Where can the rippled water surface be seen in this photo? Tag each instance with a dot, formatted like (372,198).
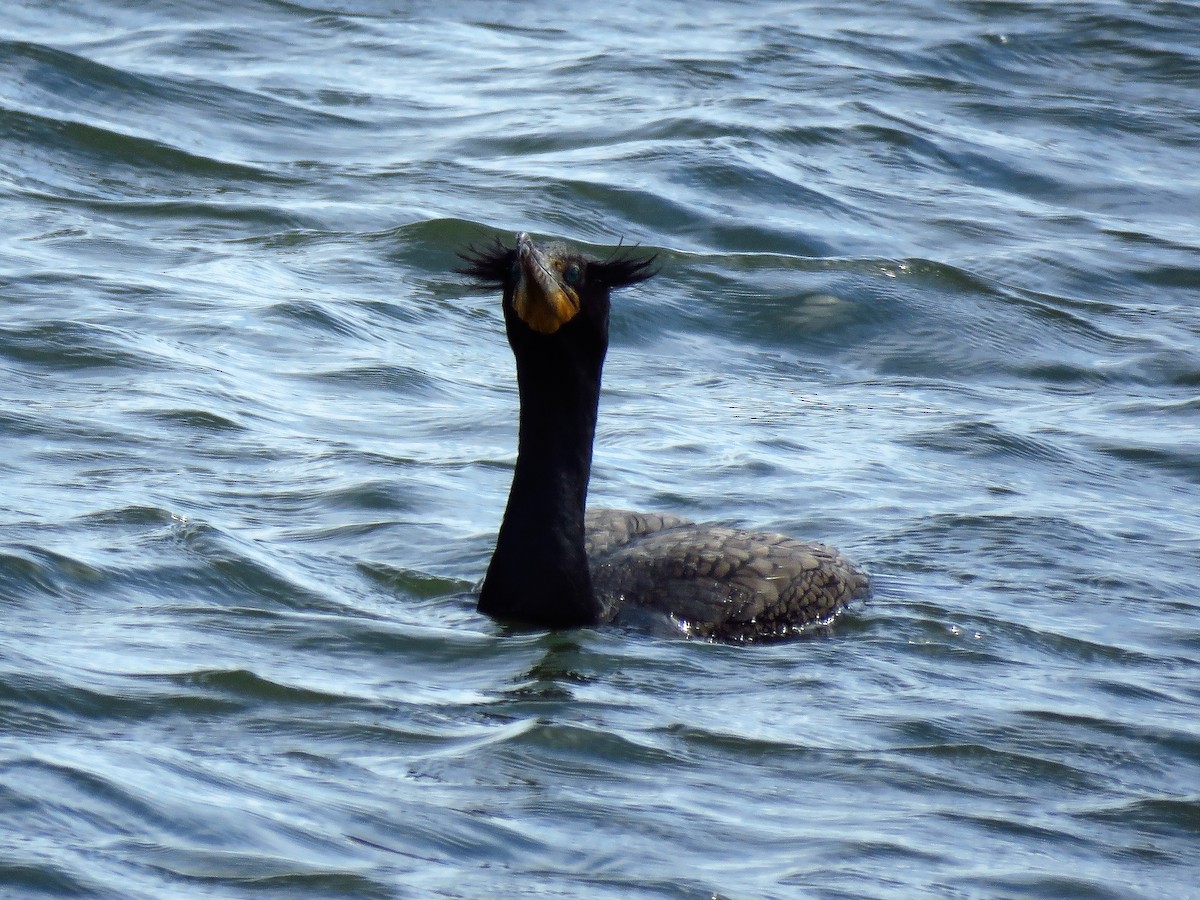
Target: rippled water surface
(930,291)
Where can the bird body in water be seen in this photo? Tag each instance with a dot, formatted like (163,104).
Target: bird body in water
(558,564)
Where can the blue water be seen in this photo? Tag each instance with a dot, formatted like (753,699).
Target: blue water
(930,292)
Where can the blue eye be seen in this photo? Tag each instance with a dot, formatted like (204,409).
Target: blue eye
(572,275)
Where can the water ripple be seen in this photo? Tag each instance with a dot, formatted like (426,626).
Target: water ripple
(928,291)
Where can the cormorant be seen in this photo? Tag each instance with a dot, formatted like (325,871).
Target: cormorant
(557,565)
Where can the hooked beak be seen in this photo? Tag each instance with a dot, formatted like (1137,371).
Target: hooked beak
(540,298)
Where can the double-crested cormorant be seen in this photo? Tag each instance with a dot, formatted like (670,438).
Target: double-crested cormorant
(556,565)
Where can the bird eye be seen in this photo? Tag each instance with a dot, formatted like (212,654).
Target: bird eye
(572,275)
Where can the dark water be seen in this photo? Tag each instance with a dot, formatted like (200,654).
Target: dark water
(930,291)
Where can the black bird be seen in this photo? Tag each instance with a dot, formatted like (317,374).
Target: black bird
(557,564)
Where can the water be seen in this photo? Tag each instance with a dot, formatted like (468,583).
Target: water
(930,292)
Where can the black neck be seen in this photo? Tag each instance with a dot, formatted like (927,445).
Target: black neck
(539,572)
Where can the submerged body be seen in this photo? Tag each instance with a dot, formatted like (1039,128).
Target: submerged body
(557,566)
(716,582)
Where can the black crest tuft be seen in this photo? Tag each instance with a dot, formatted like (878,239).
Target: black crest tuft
(491,265)
(622,270)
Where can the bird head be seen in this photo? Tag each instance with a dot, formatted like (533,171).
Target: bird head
(547,286)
